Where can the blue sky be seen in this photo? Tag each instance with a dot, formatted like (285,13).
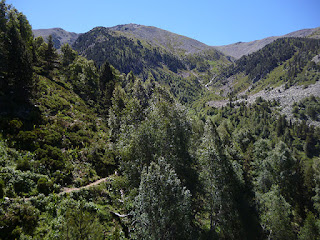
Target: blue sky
(211,22)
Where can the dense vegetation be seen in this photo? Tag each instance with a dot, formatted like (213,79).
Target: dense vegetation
(285,61)
(307,108)
(238,172)
(143,58)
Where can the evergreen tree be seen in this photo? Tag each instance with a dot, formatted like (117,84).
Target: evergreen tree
(279,167)
(107,83)
(81,225)
(316,177)
(84,77)
(310,230)
(275,215)
(116,113)
(19,81)
(68,55)
(3,47)
(150,84)
(130,79)
(164,131)
(220,185)
(162,208)
(309,146)
(50,56)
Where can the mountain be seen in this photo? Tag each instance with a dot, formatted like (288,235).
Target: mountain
(173,60)
(144,38)
(162,38)
(59,36)
(239,49)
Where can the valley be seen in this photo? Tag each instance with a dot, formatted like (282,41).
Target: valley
(135,132)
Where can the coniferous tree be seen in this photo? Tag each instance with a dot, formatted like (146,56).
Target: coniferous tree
(310,230)
(163,131)
(162,208)
(68,55)
(275,215)
(115,119)
(107,82)
(316,198)
(19,68)
(220,185)
(81,224)
(50,56)
(3,47)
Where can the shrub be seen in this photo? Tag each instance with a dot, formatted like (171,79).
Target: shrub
(44,186)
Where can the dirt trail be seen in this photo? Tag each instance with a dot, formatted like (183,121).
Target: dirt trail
(69,190)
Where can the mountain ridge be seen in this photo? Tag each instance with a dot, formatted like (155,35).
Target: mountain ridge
(176,43)
(239,49)
(162,38)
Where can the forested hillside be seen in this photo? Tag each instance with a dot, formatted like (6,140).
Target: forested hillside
(289,61)
(166,171)
(181,73)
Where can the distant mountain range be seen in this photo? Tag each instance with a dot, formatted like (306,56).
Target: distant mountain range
(187,66)
(175,43)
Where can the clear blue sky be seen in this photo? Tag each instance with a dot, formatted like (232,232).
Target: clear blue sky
(209,21)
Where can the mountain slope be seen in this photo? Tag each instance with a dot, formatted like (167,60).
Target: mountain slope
(290,61)
(162,38)
(59,36)
(239,49)
(180,66)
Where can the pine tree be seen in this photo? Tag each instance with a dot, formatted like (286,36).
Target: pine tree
(107,83)
(3,48)
(81,224)
(116,112)
(162,208)
(19,68)
(275,215)
(220,185)
(310,230)
(50,56)
(68,55)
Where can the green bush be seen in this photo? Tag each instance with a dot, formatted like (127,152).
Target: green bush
(44,186)
(14,126)
(51,157)
(24,163)
(27,140)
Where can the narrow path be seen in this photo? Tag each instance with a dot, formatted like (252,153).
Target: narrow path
(68,190)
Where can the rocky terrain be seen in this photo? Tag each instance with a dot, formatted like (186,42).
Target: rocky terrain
(285,97)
